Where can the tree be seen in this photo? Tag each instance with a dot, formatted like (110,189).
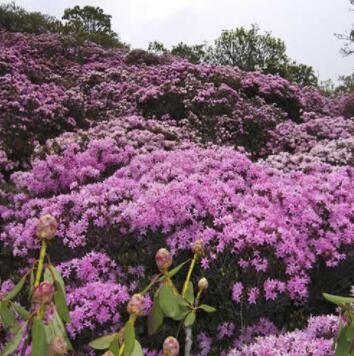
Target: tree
(348,37)
(249,50)
(300,73)
(14,18)
(90,23)
(194,54)
(157,47)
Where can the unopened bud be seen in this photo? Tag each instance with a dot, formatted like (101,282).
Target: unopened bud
(163,259)
(170,347)
(136,305)
(47,227)
(44,293)
(203,283)
(57,347)
(198,247)
(108,353)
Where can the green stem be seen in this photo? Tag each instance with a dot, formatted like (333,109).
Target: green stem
(191,267)
(40,263)
(153,281)
(198,296)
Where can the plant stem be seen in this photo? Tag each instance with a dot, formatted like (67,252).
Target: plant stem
(188,344)
(40,263)
(198,297)
(191,267)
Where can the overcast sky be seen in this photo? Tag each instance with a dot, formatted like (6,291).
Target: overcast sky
(306,26)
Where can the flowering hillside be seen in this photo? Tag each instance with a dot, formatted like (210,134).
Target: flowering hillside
(133,151)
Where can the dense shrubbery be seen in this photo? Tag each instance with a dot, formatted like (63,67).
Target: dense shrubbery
(132,152)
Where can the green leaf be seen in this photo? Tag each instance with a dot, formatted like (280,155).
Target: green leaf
(155,317)
(173,271)
(60,302)
(17,289)
(21,311)
(6,315)
(207,308)
(190,319)
(336,299)
(343,346)
(103,342)
(114,347)
(182,314)
(190,293)
(57,276)
(12,345)
(169,302)
(31,284)
(59,328)
(138,351)
(350,332)
(39,338)
(129,338)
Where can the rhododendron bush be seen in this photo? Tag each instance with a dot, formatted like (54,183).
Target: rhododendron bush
(131,156)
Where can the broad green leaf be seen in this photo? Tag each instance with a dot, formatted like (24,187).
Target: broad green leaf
(155,317)
(350,332)
(59,328)
(169,301)
(103,342)
(21,311)
(129,338)
(39,338)
(114,347)
(17,289)
(190,319)
(190,293)
(138,351)
(7,315)
(336,299)
(12,345)
(60,302)
(182,314)
(343,346)
(207,308)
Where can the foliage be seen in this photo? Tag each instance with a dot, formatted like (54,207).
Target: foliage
(13,18)
(90,23)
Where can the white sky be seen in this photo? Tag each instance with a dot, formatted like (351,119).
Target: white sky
(306,26)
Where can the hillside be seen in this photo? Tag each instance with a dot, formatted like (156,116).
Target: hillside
(131,152)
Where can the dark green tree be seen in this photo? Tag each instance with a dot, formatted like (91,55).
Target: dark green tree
(14,18)
(157,47)
(90,23)
(194,54)
(300,73)
(249,50)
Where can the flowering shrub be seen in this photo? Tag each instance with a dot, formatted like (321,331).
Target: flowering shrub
(131,156)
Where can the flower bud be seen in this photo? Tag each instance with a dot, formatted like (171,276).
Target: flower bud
(203,283)
(108,353)
(170,347)
(198,247)
(57,347)
(47,227)
(44,293)
(163,259)
(136,305)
